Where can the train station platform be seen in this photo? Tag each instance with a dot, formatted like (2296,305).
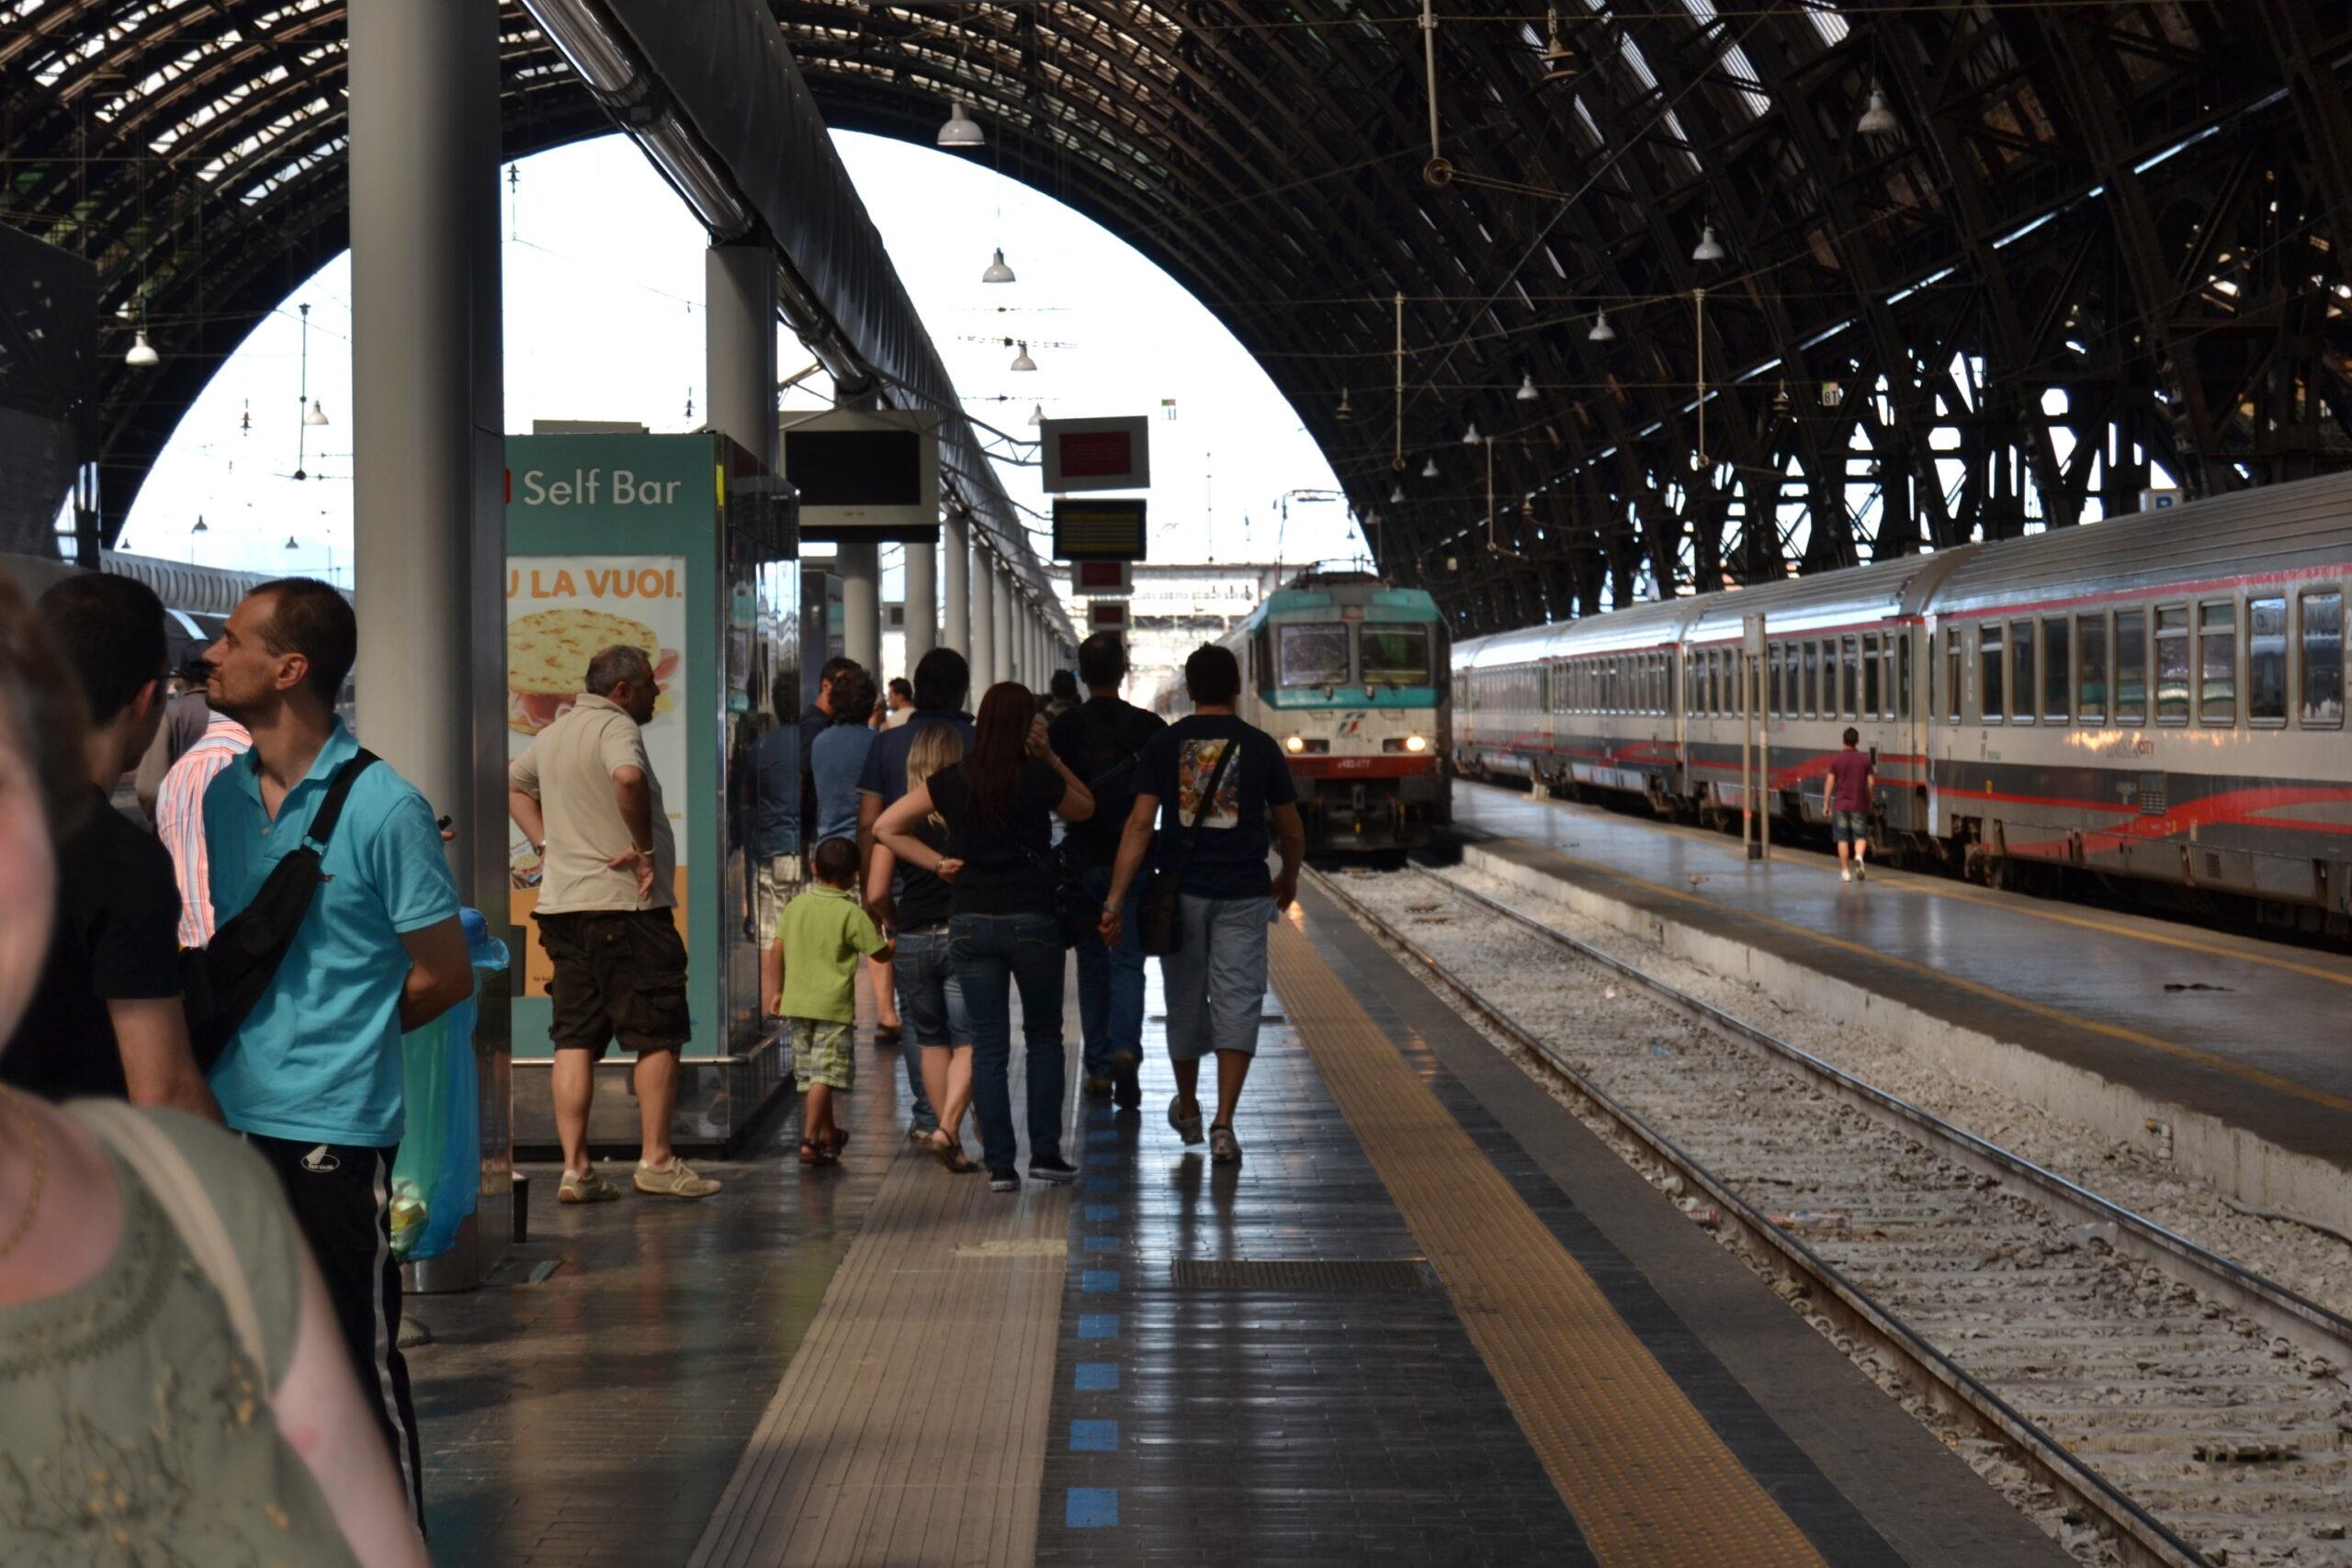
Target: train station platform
(1430,1317)
(2218,1053)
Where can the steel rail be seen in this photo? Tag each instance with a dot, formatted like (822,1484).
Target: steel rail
(2140,1535)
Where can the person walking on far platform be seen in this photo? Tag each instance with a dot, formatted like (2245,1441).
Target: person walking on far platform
(823,934)
(1208,788)
(1846,801)
(1102,741)
(586,795)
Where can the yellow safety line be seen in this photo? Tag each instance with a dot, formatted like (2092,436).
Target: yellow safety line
(1934,888)
(2057,1015)
(1647,1479)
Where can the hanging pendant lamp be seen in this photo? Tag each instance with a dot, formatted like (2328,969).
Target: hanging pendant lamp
(961,130)
(1878,119)
(996,271)
(1396,496)
(1036,413)
(1601,331)
(141,354)
(1022,361)
(1346,411)
(1470,434)
(314,414)
(1527,393)
(1707,250)
(1429,470)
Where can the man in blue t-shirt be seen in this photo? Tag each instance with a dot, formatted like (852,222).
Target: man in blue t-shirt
(1210,788)
(313,1077)
(942,682)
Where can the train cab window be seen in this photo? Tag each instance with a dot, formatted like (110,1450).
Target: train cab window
(2057,668)
(2217,663)
(2172,664)
(1392,654)
(2021,651)
(1850,683)
(1312,654)
(2322,705)
(1989,707)
(2131,666)
(1955,662)
(1874,677)
(2266,661)
(2090,669)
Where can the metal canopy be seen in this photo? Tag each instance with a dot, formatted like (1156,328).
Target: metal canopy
(2101,235)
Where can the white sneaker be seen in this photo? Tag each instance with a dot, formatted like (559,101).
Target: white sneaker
(585,1187)
(676,1180)
(1844,875)
(1859,875)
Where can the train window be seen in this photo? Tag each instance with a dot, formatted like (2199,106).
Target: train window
(1812,679)
(2090,668)
(1903,675)
(2131,666)
(2266,660)
(1954,662)
(2322,705)
(1393,654)
(1874,677)
(2217,663)
(1312,654)
(2057,668)
(2172,664)
(1772,657)
(1988,672)
(2021,651)
(1850,684)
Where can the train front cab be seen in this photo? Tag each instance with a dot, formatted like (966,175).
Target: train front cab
(1351,694)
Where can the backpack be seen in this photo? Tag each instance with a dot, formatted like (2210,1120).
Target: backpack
(221,984)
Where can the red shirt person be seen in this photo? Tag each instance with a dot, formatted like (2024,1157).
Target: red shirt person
(1846,801)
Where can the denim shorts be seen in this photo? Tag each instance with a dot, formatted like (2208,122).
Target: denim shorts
(1849,827)
(929,999)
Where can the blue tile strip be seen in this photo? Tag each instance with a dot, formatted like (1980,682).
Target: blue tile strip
(1097,1213)
(1094,1437)
(1102,1184)
(1098,1326)
(1101,1244)
(1097,1377)
(1091,1508)
(1094,1281)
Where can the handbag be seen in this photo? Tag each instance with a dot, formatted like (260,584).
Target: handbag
(1160,907)
(1076,911)
(220,984)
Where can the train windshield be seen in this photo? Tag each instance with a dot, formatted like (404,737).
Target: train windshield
(1312,655)
(1395,654)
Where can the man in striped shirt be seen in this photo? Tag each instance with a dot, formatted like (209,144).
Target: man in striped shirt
(179,819)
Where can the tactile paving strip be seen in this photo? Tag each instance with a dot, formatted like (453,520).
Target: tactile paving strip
(1301,1274)
(1648,1481)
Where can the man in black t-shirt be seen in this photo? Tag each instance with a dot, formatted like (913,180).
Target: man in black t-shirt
(1216,978)
(1102,741)
(107,1020)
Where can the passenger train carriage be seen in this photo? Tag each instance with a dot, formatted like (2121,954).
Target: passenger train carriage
(2159,698)
(1348,675)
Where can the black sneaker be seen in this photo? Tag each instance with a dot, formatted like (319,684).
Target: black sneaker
(1058,1171)
(1126,1081)
(1003,1179)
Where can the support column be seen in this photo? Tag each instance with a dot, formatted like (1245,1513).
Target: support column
(859,561)
(1008,653)
(428,440)
(955,582)
(922,604)
(738,347)
(982,651)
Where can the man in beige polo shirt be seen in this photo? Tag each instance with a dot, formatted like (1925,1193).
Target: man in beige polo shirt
(584,795)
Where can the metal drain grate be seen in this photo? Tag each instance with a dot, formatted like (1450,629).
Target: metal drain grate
(1302,1274)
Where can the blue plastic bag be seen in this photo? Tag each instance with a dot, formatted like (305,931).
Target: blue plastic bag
(437,1179)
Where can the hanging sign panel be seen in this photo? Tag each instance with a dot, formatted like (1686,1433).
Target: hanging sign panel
(1096,454)
(865,474)
(1097,530)
(1100,579)
(1106,616)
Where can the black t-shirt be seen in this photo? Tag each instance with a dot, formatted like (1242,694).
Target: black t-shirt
(1001,852)
(1229,859)
(922,899)
(117,940)
(1101,741)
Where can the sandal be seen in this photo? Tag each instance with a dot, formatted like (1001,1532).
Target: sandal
(951,1156)
(838,1142)
(813,1152)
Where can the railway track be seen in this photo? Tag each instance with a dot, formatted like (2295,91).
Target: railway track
(2184,1409)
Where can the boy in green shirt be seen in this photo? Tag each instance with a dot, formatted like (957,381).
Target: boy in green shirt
(817,941)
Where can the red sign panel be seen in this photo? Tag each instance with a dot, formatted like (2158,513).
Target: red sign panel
(1097,453)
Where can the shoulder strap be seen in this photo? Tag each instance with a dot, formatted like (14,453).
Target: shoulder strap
(1200,813)
(338,791)
(179,1192)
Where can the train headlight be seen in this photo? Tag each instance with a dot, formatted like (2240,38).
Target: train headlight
(1295,745)
(1415,743)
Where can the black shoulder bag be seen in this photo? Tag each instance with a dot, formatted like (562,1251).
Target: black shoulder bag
(221,984)
(1160,907)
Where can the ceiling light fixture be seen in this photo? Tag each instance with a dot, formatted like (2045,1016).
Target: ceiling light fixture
(1560,62)
(1346,411)
(1878,119)
(141,354)
(1022,361)
(1470,434)
(996,271)
(316,415)
(1429,470)
(1396,496)
(1037,413)
(961,130)
(1601,331)
(1707,250)
(1527,393)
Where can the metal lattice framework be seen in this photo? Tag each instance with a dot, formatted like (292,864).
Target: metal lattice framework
(2098,245)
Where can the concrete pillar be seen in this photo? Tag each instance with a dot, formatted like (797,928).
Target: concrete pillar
(1008,652)
(859,561)
(738,347)
(922,604)
(956,581)
(428,442)
(982,651)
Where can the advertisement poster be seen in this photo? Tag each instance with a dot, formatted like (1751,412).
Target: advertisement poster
(561,612)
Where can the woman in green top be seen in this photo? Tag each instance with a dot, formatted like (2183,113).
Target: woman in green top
(137,1435)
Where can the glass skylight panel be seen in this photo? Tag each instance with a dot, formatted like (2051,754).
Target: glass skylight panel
(1826,21)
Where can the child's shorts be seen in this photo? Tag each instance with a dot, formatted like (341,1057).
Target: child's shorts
(822,1054)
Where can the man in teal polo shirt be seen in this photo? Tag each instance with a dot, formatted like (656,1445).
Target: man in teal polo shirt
(313,1077)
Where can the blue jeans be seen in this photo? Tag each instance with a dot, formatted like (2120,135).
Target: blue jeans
(931,1003)
(995,954)
(1110,983)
